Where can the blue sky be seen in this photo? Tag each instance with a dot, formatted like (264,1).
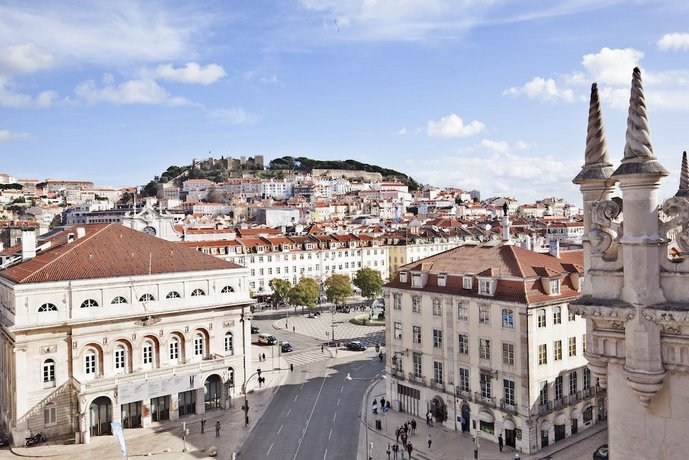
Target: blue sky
(477,94)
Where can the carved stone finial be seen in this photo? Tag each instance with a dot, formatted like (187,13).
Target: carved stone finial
(638,151)
(684,178)
(596,162)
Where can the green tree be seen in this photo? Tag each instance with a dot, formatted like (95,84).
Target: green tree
(369,281)
(151,189)
(305,293)
(338,288)
(280,289)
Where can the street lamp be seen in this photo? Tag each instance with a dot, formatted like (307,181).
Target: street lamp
(374,380)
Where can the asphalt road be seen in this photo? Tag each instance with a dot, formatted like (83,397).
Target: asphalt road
(315,414)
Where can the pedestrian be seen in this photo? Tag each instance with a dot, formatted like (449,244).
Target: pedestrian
(397,434)
(321,348)
(264,357)
(217,429)
(404,439)
(409,449)
(380,356)
(395,450)
(413,426)
(291,367)
(293,329)
(375,406)
(203,425)
(388,451)
(429,440)
(429,418)
(500,443)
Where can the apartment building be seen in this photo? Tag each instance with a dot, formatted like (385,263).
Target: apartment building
(102,323)
(482,337)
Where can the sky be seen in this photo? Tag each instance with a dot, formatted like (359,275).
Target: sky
(488,95)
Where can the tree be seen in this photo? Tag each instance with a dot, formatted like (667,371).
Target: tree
(369,281)
(305,293)
(151,189)
(338,288)
(280,289)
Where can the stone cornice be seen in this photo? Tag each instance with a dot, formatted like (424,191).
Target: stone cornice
(614,310)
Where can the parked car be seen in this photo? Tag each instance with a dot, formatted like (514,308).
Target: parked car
(255,329)
(601,453)
(356,345)
(4,439)
(286,347)
(267,339)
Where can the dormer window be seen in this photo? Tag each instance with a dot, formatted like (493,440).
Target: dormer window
(485,287)
(442,279)
(416,280)
(466,282)
(403,277)
(260,249)
(555,287)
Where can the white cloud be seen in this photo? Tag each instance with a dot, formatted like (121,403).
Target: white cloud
(25,58)
(233,116)
(612,66)
(453,126)
(10,97)
(8,136)
(192,73)
(543,90)
(676,41)
(400,132)
(142,91)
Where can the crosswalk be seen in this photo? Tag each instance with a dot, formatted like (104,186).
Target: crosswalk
(310,355)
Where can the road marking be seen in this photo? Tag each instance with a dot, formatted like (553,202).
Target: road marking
(330,435)
(308,420)
(288,411)
(280,429)
(269,449)
(338,401)
(334,417)
(325,454)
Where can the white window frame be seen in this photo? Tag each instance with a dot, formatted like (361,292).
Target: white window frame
(416,334)
(462,311)
(120,359)
(173,349)
(229,343)
(50,414)
(555,287)
(199,345)
(49,373)
(397,330)
(467,282)
(484,348)
(437,307)
(147,354)
(463,344)
(508,353)
(437,338)
(484,314)
(485,287)
(90,364)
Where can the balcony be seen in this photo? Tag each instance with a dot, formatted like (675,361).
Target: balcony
(485,400)
(574,397)
(466,394)
(437,384)
(507,407)
(417,378)
(560,403)
(545,408)
(398,374)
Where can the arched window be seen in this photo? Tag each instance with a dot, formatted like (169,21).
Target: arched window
(197,292)
(174,350)
(229,345)
(147,354)
(118,299)
(88,303)
(48,373)
(146,298)
(90,364)
(47,307)
(198,344)
(227,289)
(120,359)
(173,295)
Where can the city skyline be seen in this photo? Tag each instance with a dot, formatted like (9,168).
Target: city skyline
(484,95)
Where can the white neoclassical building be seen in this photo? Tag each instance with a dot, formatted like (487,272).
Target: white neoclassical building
(483,338)
(103,323)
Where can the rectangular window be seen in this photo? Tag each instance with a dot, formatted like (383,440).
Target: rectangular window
(541,318)
(508,386)
(557,315)
(462,311)
(416,304)
(508,353)
(543,394)
(398,330)
(572,383)
(438,372)
(437,310)
(508,318)
(466,282)
(542,354)
(558,387)
(587,379)
(486,385)
(441,280)
(464,379)
(174,350)
(571,316)
(583,343)
(397,302)
(484,348)
(484,314)
(416,334)
(50,415)
(557,347)
(417,365)
(484,287)
(437,338)
(554,287)
(49,372)
(463,345)
(572,346)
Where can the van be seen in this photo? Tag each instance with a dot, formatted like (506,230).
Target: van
(266,338)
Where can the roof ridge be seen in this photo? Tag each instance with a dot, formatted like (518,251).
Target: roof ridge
(513,253)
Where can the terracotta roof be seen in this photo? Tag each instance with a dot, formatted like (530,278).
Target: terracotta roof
(109,251)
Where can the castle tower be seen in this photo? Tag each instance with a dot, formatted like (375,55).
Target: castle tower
(636,302)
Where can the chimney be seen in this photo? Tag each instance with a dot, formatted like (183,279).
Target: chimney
(555,248)
(28,244)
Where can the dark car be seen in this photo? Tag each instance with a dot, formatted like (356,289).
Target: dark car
(601,453)
(286,347)
(356,345)
(255,329)
(4,439)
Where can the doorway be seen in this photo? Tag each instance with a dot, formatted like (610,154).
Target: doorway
(510,438)
(211,392)
(466,418)
(575,426)
(438,409)
(101,415)
(160,408)
(131,415)
(559,432)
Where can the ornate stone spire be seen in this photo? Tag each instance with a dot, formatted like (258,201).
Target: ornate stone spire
(596,162)
(638,152)
(684,178)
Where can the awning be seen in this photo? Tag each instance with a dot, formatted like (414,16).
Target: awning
(509,424)
(575,413)
(560,419)
(486,416)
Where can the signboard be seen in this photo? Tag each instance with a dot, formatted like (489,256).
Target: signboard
(143,390)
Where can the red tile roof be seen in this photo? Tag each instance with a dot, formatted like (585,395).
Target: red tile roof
(108,251)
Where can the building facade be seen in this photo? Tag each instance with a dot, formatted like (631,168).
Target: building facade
(104,324)
(635,297)
(482,337)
